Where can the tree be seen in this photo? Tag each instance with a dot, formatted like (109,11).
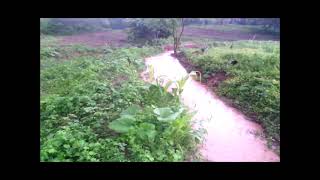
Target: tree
(149,29)
(44,25)
(117,23)
(271,24)
(154,28)
(176,23)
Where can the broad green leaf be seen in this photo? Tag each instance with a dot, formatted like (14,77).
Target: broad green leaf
(132,110)
(166,114)
(166,111)
(123,124)
(92,153)
(52,151)
(147,131)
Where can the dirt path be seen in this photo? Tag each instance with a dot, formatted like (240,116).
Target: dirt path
(231,136)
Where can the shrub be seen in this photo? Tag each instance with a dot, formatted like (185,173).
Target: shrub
(78,143)
(149,29)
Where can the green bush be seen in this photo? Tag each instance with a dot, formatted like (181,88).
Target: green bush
(78,143)
(152,138)
(146,30)
(44,25)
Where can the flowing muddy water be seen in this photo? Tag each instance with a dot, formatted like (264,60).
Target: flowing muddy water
(230,135)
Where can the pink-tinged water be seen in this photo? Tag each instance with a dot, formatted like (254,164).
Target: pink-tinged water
(230,135)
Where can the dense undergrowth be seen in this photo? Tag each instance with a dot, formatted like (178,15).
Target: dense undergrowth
(253,84)
(96,108)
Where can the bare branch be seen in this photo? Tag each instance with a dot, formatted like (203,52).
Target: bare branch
(182,24)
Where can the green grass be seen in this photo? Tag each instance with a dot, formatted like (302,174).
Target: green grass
(46,40)
(254,82)
(50,48)
(97,109)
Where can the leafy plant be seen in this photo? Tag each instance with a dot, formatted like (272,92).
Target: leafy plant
(96,108)
(123,124)
(77,143)
(148,29)
(181,84)
(146,131)
(167,114)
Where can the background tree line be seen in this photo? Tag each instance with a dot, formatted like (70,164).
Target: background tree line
(143,27)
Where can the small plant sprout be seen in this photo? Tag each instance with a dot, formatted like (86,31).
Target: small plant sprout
(151,73)
(161,79)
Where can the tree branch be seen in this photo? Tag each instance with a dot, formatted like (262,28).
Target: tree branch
(182,24)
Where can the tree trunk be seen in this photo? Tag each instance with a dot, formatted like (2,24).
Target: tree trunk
(174,46)
(176,38)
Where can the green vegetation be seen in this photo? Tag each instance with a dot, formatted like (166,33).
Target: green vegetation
(95,107)
(253,83)
(147,29)
(98,109)
(69,26)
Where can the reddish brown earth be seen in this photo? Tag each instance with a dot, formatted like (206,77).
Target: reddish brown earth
(225,35)
(185,63)
(184,45)
(168,47)
(116,38)
(215,79)
(119,38)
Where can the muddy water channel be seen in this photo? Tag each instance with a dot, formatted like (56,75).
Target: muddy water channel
(231,136)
